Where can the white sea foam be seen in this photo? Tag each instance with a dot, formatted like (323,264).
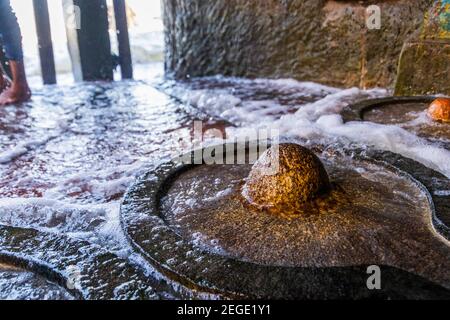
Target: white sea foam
(22,148)
(51,214)
(219,195)
(213,104)
(53,130)
(15,152)
(203,242)
(320,121)
(292,84)
(383,137)
(441,193)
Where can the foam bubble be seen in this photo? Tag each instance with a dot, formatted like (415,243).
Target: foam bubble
(319,120)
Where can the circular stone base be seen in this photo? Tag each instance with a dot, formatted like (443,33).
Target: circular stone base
(409,113)
(26,280)
(95,273)
(214,272)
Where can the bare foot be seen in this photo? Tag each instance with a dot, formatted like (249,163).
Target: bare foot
(14,94)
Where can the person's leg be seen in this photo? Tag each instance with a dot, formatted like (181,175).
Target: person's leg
(4,76)
(2,81)
(12,44)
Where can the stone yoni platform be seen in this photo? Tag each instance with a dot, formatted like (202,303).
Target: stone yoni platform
(410,113)
(195,245)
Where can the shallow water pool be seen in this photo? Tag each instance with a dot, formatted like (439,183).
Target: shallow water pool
(68,156)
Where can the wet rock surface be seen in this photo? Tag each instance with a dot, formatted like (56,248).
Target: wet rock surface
(410,113)
(152,232)
(67,157)
(285,177)
(306,40)
(84,269)
(19,284)
(424,66)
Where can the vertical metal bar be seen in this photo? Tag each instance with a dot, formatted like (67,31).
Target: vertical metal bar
(44,41)
(120,13)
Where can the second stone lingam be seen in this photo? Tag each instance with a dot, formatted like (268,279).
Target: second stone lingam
(293,231)
(426,116)
(439,110)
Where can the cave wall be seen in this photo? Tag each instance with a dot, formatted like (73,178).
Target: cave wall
(311,40)
(424,66)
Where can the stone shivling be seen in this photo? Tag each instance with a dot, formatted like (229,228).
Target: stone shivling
(439,110)
(204,234)
(285,178)
(95,203)
(424,116)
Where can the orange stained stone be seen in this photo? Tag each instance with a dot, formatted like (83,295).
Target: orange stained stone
(439,110)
